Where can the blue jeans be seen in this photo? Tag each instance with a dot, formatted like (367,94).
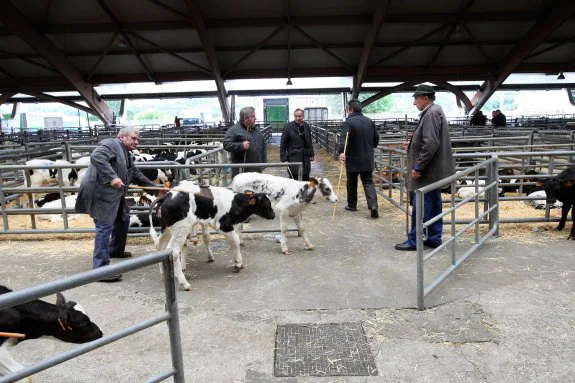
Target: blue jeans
(431,208)
(105,245)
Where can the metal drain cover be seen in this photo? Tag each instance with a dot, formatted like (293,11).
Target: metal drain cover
(335,349)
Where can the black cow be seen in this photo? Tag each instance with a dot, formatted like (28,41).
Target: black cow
(561,187)
(66,321)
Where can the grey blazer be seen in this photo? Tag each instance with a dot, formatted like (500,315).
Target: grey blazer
(97,197)
(429,150)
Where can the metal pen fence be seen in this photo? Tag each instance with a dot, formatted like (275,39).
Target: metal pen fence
(490,214)
(170,315)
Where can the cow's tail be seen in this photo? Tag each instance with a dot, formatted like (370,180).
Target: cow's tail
(159,239)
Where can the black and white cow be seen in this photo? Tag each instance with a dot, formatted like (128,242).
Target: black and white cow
(289,198)
(189,204)
(66,321)
(562,188)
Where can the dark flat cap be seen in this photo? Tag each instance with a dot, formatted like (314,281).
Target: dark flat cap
(423,90)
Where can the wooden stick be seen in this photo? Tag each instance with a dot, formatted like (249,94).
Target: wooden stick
(340,173)
(12,335)
(149,187)
(408,172)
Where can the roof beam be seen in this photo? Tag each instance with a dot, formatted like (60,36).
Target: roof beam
(323,48)
(378,18)
(457,92)
(129,41)
(210,23)
(60,100)
(104,53)
(13,19)
(559,12)
(211,55)
(9,75)
(4,97)
(387,92)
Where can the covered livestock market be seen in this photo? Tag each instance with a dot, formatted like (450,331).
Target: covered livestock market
(325,191)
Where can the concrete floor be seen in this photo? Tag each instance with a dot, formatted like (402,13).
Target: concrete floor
(505,316)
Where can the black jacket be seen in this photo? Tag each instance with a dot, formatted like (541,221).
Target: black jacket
(363,138)
(499,120)
(234,143)
(296,144)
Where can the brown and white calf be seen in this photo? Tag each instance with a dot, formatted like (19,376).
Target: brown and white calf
(66,321)
(189,204)
(289,198)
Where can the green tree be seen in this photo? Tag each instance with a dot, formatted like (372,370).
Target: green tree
(379,106)
(150,114)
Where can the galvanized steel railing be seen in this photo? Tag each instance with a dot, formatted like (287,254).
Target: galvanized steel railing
(170,315)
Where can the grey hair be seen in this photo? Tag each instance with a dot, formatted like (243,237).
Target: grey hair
(355,105)
(297,110)
(126,130)
(245,112)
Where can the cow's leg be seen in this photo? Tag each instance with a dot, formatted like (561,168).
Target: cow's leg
(238,228)
(284,218)
(564,211)
(179,237)
(206,239)
(299,223)
(234,242)
(572,234)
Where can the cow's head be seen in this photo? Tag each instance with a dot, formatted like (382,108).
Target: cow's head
(262,205)
(553,187)
(72,324)
(324,187)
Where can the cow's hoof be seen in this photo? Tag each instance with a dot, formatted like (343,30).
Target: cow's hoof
(285,252)
(238,268)
(559,228)
(242,244)
(187,287)
(310,248)
(210,259)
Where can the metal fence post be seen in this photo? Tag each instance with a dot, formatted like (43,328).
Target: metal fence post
(419,244)
(174,320)
(494,194)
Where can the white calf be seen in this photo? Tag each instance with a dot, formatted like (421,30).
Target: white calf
(289,198)
(188,204)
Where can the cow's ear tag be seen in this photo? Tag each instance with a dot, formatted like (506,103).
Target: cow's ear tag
(313,182)
(249,192)
(568,184)
(252,200)
(539,183)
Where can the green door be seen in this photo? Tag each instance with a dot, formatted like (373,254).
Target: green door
(276,116)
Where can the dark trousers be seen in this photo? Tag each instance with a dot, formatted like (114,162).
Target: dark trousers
(110,239)
(368,188)
(431,208)
(293,173)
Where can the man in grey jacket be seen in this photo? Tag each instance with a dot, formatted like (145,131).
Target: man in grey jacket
(359,157)
(245,142)
(102,195)
(429,159)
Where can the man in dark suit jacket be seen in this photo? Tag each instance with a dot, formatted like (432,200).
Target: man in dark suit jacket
(498,118)
(296,145)
(429,159)
(359,157)
(102,195)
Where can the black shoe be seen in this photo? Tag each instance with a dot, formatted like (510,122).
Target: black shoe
(111,279)
(432,245)
(349,208)
(405,247)
(126,254)
(374,214)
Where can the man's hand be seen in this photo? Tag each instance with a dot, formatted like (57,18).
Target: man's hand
(117,183)
(246,145)
(415,174)
(341,157)
(312,158)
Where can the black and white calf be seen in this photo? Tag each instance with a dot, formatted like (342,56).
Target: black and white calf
(66,321)
(562,188)
(189,204)
(289,198)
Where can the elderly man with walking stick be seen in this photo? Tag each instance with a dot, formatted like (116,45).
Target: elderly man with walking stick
(429,159)
(359,156)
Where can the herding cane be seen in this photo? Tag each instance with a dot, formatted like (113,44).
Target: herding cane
(407,173)
(340,173)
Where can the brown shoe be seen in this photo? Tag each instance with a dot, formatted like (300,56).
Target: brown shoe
(111,279)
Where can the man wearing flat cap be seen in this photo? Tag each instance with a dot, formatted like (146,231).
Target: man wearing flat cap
(429,159)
